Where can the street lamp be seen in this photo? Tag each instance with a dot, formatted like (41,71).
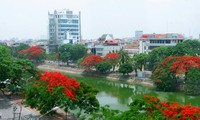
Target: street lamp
(53,109)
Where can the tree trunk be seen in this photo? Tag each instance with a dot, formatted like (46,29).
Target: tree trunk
(136,73)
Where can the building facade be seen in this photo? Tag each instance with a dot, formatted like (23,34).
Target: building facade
(150,41)
(64,27)
(108,46)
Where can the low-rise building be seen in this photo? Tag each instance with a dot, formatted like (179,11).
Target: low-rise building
(108,46)
(132,48)
(148,42)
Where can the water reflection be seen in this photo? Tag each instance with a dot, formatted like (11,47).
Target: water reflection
(119,94)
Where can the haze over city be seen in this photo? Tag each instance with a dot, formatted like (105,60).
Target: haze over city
(25,19)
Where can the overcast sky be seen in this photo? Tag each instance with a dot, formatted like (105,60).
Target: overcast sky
(29,18)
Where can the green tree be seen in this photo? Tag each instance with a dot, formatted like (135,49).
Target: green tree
(171,69)
(21,71)
(125,68)
(86,99)
(103,67)
(103,113)
(65,52)
(123,57)
(35,54)
(157,55)
(78,52)
(187,47)
(55,89)
(140,60)
(71,52)
(15,50)
(5,58)
(192,82)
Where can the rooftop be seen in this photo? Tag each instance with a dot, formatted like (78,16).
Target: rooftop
(169,35)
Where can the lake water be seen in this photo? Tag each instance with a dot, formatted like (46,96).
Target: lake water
(118,94)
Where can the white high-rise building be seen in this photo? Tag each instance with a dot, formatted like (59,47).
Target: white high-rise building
(64,27)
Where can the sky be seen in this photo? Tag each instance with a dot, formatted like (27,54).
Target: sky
(24,19)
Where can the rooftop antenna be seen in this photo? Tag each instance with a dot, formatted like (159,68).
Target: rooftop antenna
(167,27)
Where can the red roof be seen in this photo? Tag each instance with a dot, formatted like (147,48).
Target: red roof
(111,41)
(162,35)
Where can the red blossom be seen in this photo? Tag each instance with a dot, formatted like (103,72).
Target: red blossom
(32,53)
(91,60)
(56,79)
(173,110)
(112,58)
(182,64)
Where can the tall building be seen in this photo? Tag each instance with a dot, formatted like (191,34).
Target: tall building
(64,27)
(150,41)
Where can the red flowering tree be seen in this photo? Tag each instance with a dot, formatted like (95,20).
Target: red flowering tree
(91,61)
(170,110)
(171,69)
(112,58)
(34,53)
(52,89)
(56,89)
(151,108)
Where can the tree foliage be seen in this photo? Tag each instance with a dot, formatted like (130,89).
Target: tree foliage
(123,57)
(15,50)
(157,55)
(140,60)
(91,61)
(86,99)
(52,89)
(103,67)
(168,71)
(5,58)
(112,58)
(34,53)
(125,68)
(71,52)
(21,71)
(149,108)
(187,47)
(55,89)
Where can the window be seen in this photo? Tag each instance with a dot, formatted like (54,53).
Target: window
(167,41)
(74,21)
(68,25)
(62,21)
(100,54)
(74,34)
(99,49)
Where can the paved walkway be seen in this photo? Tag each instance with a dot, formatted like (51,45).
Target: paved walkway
(7,106)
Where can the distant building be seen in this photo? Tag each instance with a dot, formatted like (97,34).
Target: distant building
(9,42)
(108,46)
(105,37)
(102,50)
(132,48)
(151,41)
(64,27)
(2,42)
(138,34)
(43,43)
